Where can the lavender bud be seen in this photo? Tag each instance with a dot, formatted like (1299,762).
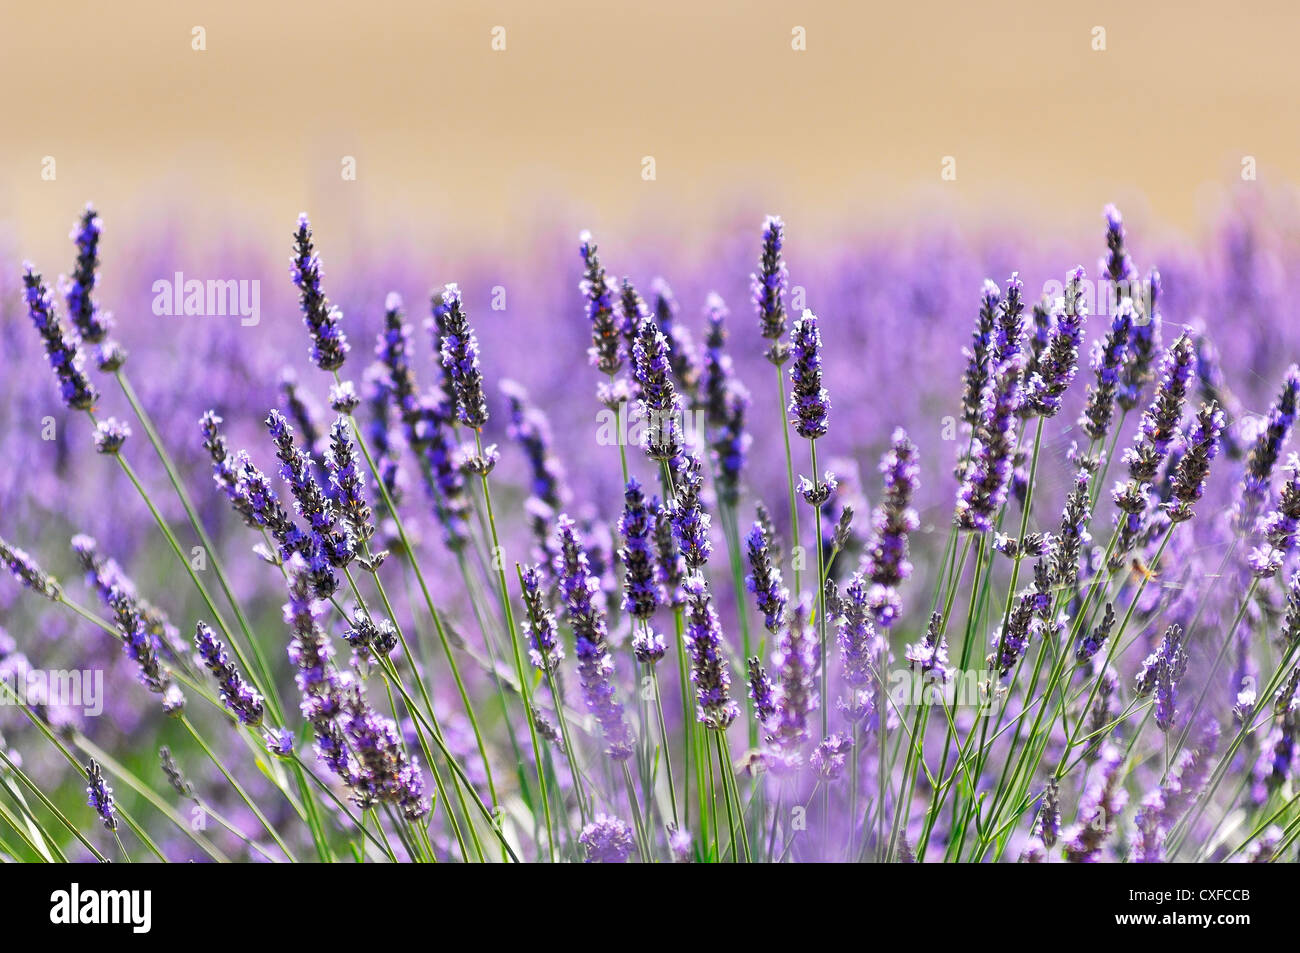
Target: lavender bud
(764,579)
(459,352)
(606,347)
(641,590)
(810,403)
(329,346)
(100,795)
(92,324)
(544,646)
(769,287)
(28,573)
(709,672)
(61,350)
(236,694)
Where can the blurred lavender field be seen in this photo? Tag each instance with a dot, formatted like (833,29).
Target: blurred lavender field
(894,312)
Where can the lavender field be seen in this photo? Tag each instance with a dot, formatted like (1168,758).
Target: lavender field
(937,546)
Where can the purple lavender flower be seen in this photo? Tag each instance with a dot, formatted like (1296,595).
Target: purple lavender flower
(329,346)
(1056,367)
(810,404)
(544,646)
(578,590)
(641,590)
(760,690)
(830,757)
(795,660)
(459,351)
(75,388)
(886,563)
(344,398)
(1117,266)
(236,694)
(328,547)
(92,324)
(1091,641)
(1255,492)
(986,476)
(142,647)
(648,646)
(1101,805)
(633,313)
(690,522)
(607,840)
(1201,445)
(28,573)
(1143,347)
(769,288)
(930,655)
(660,405)
(100,796)
(725,401)
(764,579)
(110,436)
(318,682)
(606,348)
(1162,670)
(671,566)
(106,577)
(1155,435)
(348,482)
(977,374)
(861,649)
(1108,357)
(709,671)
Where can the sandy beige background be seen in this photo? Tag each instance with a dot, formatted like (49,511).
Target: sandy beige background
(449,134)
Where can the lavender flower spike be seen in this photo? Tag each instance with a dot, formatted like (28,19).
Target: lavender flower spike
(886,562)
(690,522)
(760,690)
(1201,446)
(92,324)
(764,579)
(641,590)
(329,346)
(769,286)
(709,672)
(1264,454)
(544,647)
(459,350)
(659,401)
(100,796)
(236,694)
(74,387)
(986,476)
(1107,359)
(795,659)
(606,345)
(28,573)
(1059,361)
(810,404)
(578,589)
(349,482)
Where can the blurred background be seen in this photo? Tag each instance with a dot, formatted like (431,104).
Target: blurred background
(454,140)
